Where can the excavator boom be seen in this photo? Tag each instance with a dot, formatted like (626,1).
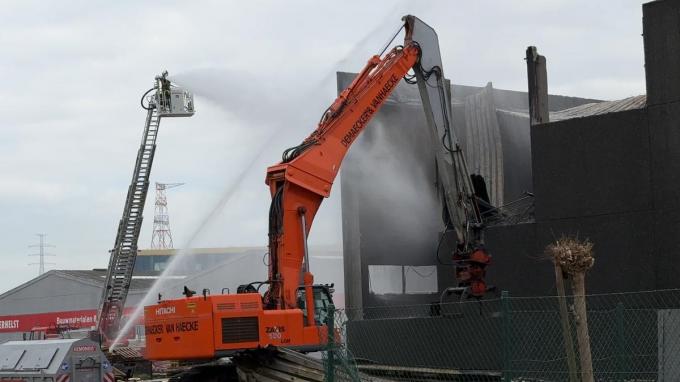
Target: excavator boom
(305,176)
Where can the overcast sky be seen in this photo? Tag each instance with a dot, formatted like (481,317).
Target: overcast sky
(263,71)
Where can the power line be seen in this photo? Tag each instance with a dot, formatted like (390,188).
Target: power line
(42,245)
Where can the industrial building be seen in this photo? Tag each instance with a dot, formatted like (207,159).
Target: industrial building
(606,171)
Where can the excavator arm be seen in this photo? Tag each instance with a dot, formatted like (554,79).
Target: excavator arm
(200,327)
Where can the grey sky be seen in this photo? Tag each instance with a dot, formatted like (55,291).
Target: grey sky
(73,72)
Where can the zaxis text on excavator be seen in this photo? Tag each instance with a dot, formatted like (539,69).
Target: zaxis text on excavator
(293,310)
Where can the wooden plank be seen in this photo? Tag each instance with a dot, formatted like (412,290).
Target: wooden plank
(294,356)
(309,374)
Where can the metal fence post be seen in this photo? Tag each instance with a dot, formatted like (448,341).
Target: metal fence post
(330,346)
(620,343)
(505,335)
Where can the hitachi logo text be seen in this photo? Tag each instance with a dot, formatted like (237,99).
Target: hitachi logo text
(165,310)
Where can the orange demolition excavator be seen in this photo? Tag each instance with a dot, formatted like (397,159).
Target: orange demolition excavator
(292,311)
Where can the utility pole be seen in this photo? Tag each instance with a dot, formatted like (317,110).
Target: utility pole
(162,237)
(42,245)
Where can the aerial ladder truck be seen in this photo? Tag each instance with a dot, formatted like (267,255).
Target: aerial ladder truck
(165,99)
(292,311)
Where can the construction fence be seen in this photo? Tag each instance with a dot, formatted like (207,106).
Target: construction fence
(631,337)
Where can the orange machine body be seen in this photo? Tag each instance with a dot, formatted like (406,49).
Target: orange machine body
(217,326)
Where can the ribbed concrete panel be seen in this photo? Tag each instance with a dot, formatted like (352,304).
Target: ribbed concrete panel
(483,146)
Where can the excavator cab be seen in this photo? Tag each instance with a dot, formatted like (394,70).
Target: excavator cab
(323,299)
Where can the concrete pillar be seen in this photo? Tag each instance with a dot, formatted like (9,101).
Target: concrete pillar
(538,87)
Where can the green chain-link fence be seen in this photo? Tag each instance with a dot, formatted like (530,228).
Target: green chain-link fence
(633,337)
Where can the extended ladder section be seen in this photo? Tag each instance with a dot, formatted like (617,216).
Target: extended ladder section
(124,252)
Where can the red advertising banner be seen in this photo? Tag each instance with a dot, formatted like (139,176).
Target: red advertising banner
(77,319)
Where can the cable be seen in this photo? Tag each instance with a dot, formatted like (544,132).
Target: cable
(325,115)
(275,213)
(275,222)
(410,79)
(293,152)
(439,245)
(392,39)
(141,101)
(449,149)
(420,274)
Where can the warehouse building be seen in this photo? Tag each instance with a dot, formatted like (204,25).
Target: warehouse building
(64,298)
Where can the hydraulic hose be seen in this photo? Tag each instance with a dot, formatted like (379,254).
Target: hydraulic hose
(141,101)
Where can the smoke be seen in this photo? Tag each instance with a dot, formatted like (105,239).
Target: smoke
(396,184)
(252,98)
(277,110)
